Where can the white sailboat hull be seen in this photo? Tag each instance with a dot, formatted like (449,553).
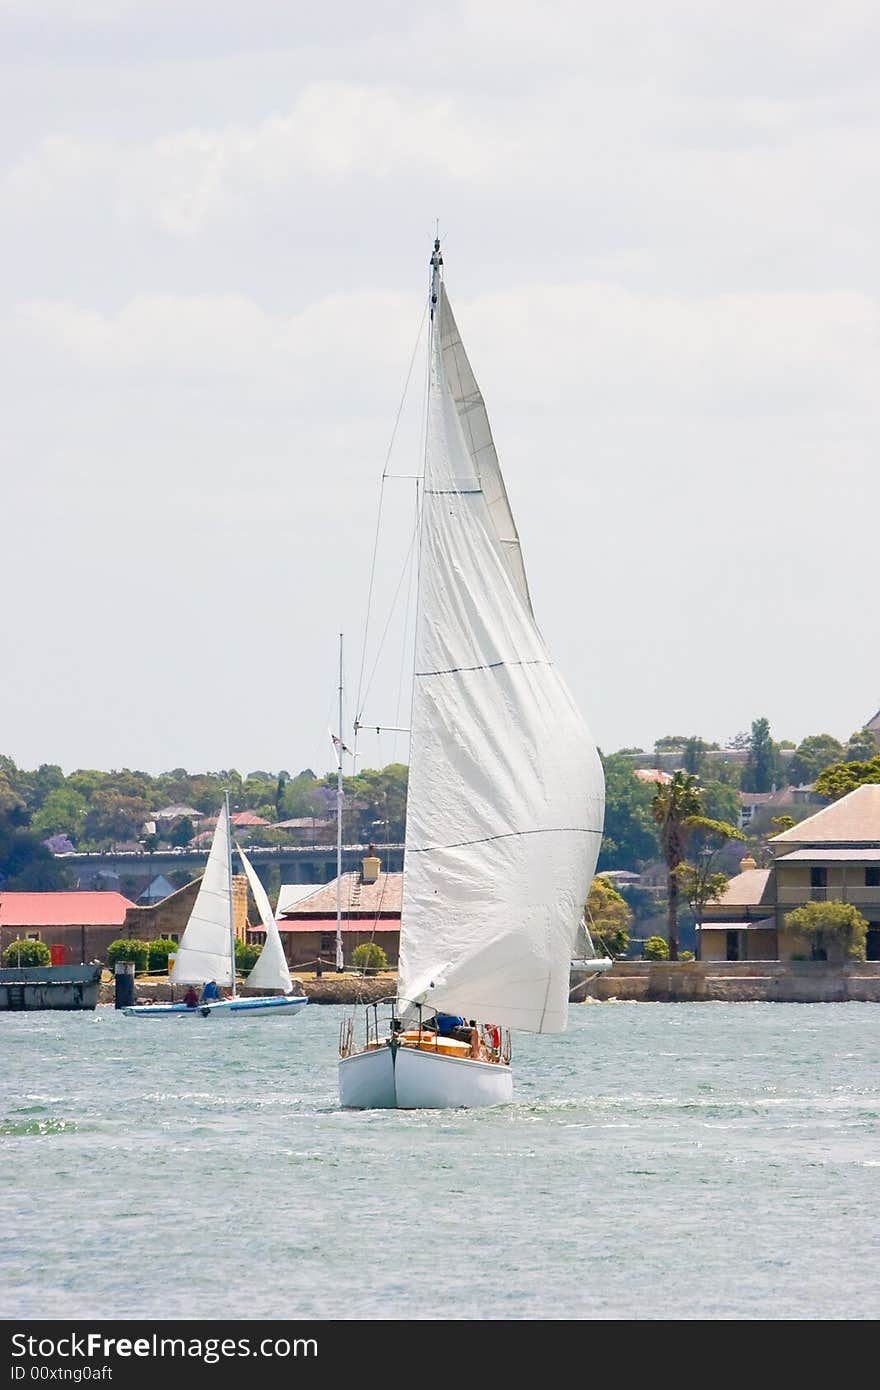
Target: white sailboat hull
(406,1078)
(272,1006)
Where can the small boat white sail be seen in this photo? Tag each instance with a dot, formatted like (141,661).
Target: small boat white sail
(585,959)
(207,948)
(506,793)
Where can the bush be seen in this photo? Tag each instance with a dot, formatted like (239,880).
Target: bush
(246,956)
(685,955)
(830,923)
(128,949)
(26,953)
(159,951)
(370,957)
(655,948)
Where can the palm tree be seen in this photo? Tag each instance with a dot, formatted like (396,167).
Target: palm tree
(676,809)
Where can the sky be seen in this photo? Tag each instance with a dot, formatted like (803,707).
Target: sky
(659,225)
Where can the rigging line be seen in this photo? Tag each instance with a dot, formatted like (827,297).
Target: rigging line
(404,654)
(379,512)
(392,608)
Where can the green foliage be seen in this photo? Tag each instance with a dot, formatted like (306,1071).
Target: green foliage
(159,951)
(840,778)
(655,948)
(128,948)
(25,953)
(720,801)
(369,956)
(861,747)
(26,865)
(246,956)
(62,812)
(827,923)
(694,755)
(763,768)
(812,756)
(609,917)
(630,839)
(685,955)
(182,832)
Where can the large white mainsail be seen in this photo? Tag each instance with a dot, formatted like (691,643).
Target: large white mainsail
(205,950)
(271,970)
(506,794)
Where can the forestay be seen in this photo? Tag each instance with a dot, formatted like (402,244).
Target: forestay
(506,794)
(205,950)
(271,970)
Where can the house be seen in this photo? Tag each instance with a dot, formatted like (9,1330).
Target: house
(371,905)
(833,855)
(653,774)
(80,925)
(778,802)
(308,830)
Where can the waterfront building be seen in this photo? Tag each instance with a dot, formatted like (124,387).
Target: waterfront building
(833,855)
(76,926)
(371,906)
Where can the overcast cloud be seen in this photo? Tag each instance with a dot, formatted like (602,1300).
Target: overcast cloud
(660,227)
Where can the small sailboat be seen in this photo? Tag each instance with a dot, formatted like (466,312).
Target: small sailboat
(506,792)
(207,947)
(585,959)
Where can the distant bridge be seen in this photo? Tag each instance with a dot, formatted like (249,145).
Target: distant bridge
(135,869)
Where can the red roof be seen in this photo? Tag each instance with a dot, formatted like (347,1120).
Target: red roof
(84,909)
(247,818)
(364,925)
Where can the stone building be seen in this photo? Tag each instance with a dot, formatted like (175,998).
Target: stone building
(371,906)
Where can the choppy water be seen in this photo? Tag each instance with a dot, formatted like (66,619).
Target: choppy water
(660,1160)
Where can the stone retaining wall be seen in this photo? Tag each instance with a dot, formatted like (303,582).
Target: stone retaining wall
(784,982)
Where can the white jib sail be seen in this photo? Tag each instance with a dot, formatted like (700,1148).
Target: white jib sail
(205,948)
(481,446)
(271,970)
(506,792)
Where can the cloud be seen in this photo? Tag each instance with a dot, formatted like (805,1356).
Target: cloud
(645,352)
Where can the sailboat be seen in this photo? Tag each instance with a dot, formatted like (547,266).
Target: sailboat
(585,959)
(506,793)
(207,947)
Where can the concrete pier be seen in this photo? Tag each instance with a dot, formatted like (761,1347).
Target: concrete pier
(50,987)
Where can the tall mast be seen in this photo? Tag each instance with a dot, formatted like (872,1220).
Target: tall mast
(340,960)
(231,904)
(436,263)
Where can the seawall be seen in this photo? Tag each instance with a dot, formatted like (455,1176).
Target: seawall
(328,989)
(769,981)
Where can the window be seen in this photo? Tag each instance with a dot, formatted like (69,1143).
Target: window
(32,936)
(174,936)
(872,878)
(818,878)
(327,943)
(872,943)
(733,945)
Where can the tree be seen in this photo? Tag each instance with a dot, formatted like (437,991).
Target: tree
(823,924)
(159,951)
(812,755)
(694,755)
(182,833)
(630,839)
(62,812)
(369,957)
(655,948)
(129,948)
(609,917)
(761,771)
(701,882)
(674,808)
(26,865)
(21,954)
(840,778)
(861,747)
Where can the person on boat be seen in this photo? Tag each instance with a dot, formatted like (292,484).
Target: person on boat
(191,999)
(477,1050)
(210,992)
(447,1023)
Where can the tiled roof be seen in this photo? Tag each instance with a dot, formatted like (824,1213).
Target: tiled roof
(653,774)
(328,924)
(759,924)
(855,818)
(172,812)
(751,888)
(385,896)
(869,855)
(84,909)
